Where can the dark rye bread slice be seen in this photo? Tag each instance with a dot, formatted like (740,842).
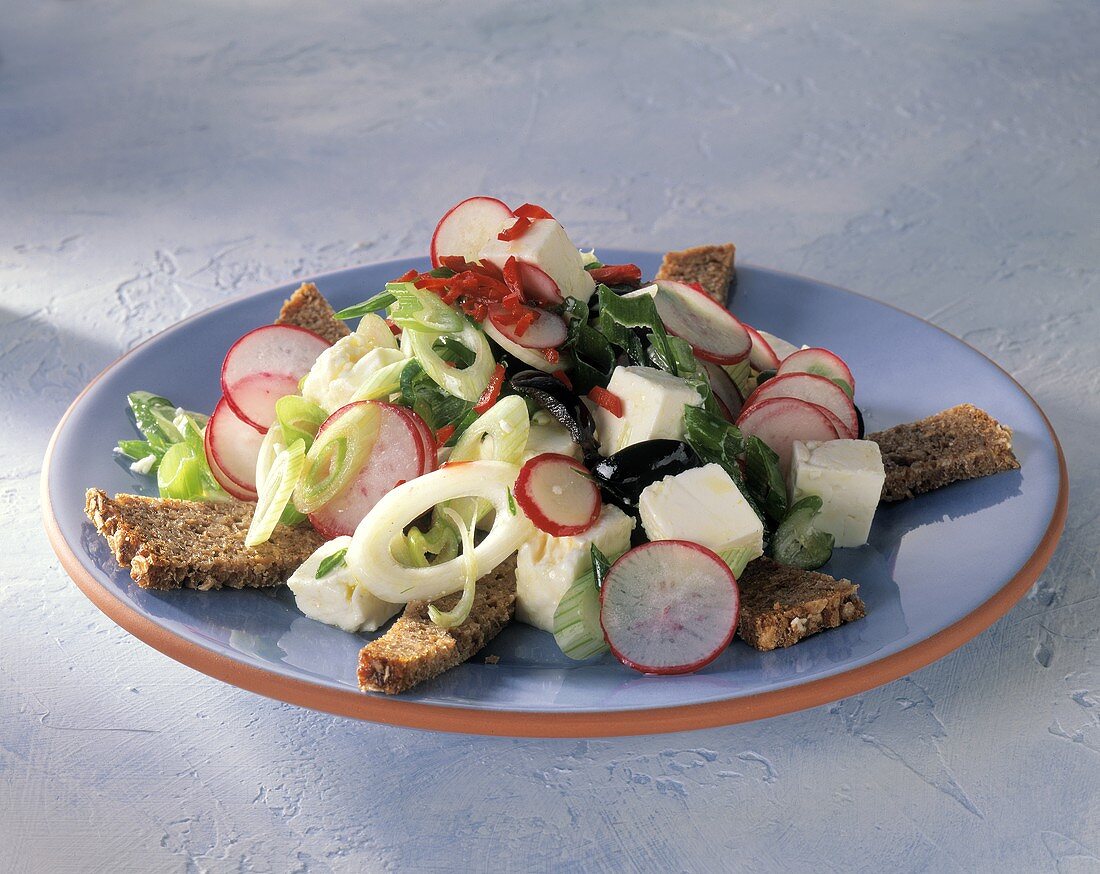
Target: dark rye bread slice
(307,308)
(710,266)
(170,544)
(958,444)
(781,605)
(415,649)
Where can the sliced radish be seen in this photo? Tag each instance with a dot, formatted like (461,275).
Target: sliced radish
(547,331)
(762,356)
(815,389)
(265,365)
(558,494)
(838,426)
(780,347)
(530,357)
(431,457)
(821,362)
(781,421)
(466,227)
(396,456)
(232,447)
(537,284)
(712,330)
(669,607)
(725,390)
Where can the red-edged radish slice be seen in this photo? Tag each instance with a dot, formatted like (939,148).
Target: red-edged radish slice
(780,347)
(781,421)
(397,456)
(712,330)
(669,607)
(232,447)
(265,365)
(557,493)
(537,284)
(815,389)
(725,390)
(547,331)
(431,458)
(467,226)
(821,362)
(761,356)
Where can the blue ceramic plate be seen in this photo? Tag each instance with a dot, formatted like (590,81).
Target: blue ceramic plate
(937,571)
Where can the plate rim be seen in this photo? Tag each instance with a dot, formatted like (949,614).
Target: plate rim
(528,723)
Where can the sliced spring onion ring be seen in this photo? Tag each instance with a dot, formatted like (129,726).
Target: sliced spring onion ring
(337,456)
(741,374)
(385,381)
(376,332)
(440,540)
(577,628)
(498,434)
(737,557)
(179,475)
(467,383)
(298,419)
(419,310)
(275,492)
(370,552)
(459,613)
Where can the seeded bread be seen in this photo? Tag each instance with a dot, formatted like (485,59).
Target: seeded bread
(415,649)
(170,544)
(958,444)
(781,605)
(710,266)
(307,308)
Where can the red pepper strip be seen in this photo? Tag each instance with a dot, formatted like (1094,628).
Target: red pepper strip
(487,268)
(443,435)
(517,230)
(408,276)
(512,301)
(432,283)
(524,322)
(618,274)
(552,356)
(532,211)
(395,329)
(608,400)
(455,262)
(492,391)
(511,277)
(562,377)
(696,286)
(506,316)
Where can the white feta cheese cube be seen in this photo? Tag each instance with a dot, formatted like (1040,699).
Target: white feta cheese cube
(338,598)
(702,505)
(847,475)
(653,408)
(549,435)
(548,247)
(547,566)
(342,369)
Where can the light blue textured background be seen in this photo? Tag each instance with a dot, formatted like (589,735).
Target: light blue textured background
(157,158)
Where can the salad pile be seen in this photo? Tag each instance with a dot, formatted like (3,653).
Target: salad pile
(633,445)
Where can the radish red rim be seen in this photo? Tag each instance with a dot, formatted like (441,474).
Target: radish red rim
(715,334)
(490,205)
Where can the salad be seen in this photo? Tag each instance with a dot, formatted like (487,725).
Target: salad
(631,445)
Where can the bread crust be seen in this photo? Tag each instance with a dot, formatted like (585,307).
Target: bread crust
(782,605)
(960,443)
(415,649)
(170,544)
(307,308)
(710,266)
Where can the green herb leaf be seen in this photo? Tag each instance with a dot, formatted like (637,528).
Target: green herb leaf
(331,562)
(600,566)
(765,479)
(512,503)
(372,305)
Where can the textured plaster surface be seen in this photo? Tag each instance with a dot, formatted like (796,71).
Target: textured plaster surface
(158,158)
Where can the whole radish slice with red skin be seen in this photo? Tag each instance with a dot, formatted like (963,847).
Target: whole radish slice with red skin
(232,447)
(467,226)
(558,494)
(725,390)
(761,356)
(669,607)
(713,331)
(815,389)
(547,331)
(264,365)
(396,456)
(820,362)
(781,421)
